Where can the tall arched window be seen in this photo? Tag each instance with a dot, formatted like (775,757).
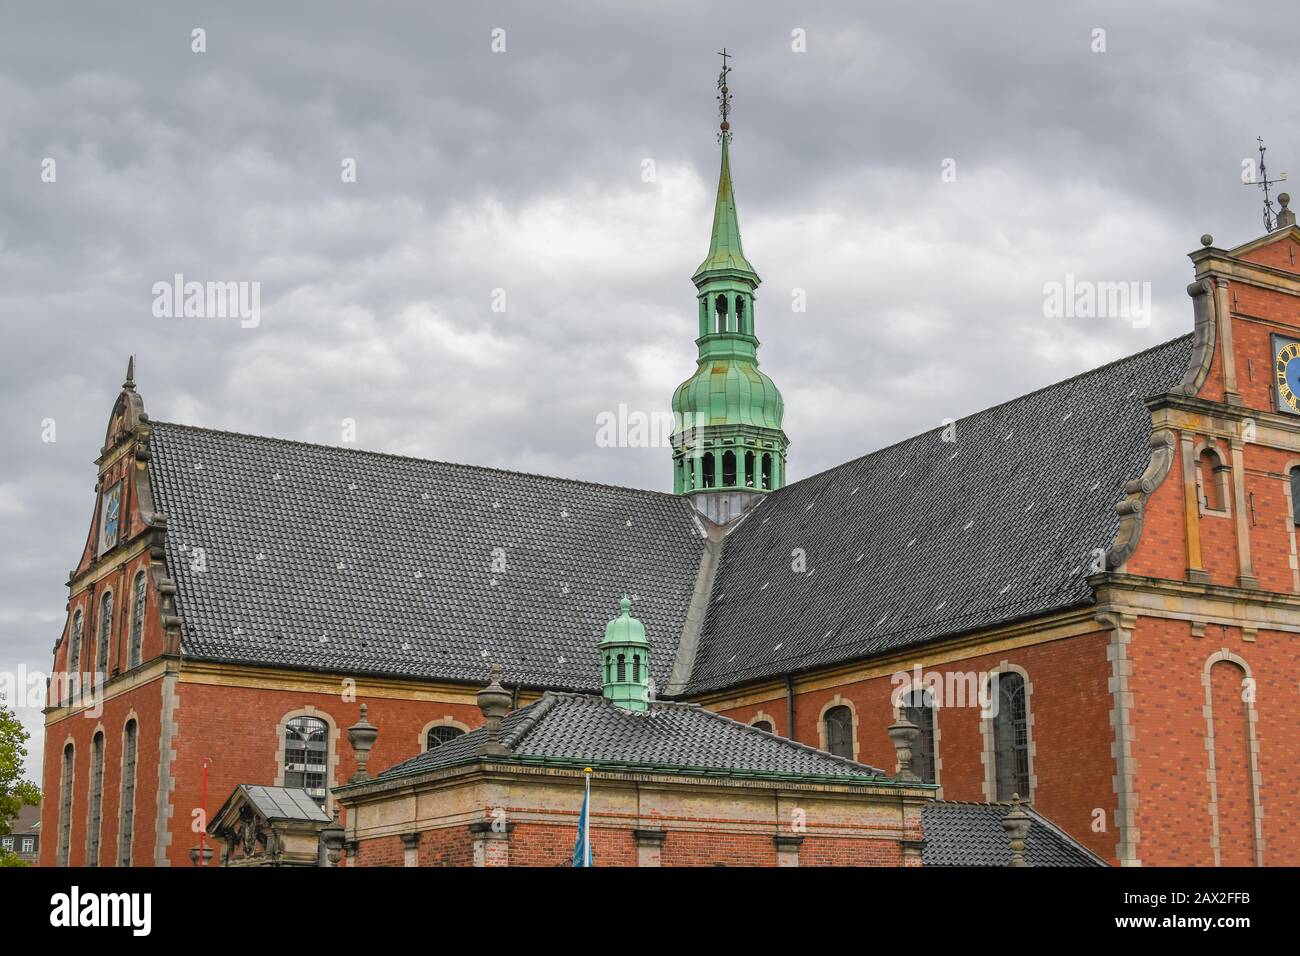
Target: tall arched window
(720,305)
(137,622)
(728,469)
(95,804)
(749,469)
(65,807)
(740,314)
(708,469)
(839,732)
(636,668)
(622,668)
(918,707)
(306,756)
(1011,737)
(126,814)
(105,632)
(74,653)
(767,472)
(438,736)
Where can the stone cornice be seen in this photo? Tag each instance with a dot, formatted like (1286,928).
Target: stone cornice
(1129,596)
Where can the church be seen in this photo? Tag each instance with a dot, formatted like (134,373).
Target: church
(1088,602)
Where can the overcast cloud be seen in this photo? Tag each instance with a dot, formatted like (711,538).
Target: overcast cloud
(523,171)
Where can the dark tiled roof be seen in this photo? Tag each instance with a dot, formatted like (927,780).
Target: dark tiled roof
(355,562)
(971,834)
(929,538)
(285,803)
(584,729)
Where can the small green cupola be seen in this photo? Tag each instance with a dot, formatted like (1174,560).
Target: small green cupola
(625,661)
(728,445)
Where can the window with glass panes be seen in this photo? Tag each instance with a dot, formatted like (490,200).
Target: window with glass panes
(105,631)
(438,736)
(137,622)
(96,802)
(918,707)
(65,808)
(306,755)
(839,732)
(1011,737)
(126,824)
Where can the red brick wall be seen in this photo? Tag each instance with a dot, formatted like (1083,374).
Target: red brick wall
(146,703)
(1170,756)
(235,727)
(1070,702)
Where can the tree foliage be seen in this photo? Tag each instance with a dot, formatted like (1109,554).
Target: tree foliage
(15,791)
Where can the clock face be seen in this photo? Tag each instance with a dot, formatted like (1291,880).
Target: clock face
(111,522)
(1286,373)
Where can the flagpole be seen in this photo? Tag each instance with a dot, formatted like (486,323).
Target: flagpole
(586,823)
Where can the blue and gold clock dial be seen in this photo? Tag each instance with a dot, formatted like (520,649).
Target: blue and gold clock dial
(1286,370)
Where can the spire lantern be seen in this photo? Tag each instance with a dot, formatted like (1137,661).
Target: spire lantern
(625,661)
(728,445)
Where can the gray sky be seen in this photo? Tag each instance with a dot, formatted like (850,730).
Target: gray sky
(523,170)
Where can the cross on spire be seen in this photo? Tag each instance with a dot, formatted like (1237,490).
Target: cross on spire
(724,95)
(1264,183)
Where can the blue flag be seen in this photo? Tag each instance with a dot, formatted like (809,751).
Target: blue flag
(582,855)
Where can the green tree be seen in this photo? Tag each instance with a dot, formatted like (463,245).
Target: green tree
(15,792)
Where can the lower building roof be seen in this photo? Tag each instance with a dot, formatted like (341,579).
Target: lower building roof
(971,834)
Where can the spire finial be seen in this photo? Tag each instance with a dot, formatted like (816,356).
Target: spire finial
(626,605)
(724,97)
(130,373)
(1264,183)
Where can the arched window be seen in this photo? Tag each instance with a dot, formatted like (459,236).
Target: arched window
(1213,477)
(1011,736)
(749,469)
(1295,495)
(609,669)
(764,725)
(622,668)
(839,732)
(96,801)
(740,314)
(74,653)
(636,668)
(767,471)
(306,755)
(708,469)
(729,469)
(65,808)
(918,707)
(105,632)
(137,622)
(126,824)
(720,306)
(438,736)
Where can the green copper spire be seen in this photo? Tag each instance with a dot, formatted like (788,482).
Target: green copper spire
(625,661)
(728,445)
(725,251)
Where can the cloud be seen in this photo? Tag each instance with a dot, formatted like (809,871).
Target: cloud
(523,171)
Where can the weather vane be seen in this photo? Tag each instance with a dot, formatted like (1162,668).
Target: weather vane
(1270,221)
(724,96)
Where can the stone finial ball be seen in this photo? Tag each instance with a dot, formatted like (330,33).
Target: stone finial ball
(1207,240)
(1284,199)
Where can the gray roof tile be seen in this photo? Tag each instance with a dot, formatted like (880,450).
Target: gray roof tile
(285,803)
(929,538)
(356,562)
(572,728)
(971,834)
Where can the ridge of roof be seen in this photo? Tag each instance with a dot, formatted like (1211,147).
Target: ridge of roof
(989,408)
(370,453)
